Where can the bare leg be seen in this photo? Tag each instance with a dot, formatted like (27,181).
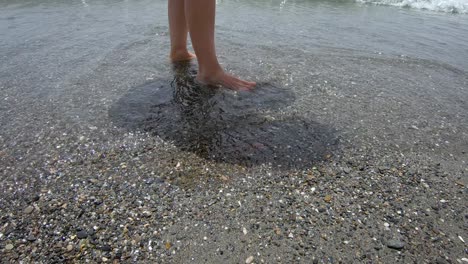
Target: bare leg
(178,31)
(200,15)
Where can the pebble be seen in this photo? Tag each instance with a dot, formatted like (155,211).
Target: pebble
(327,198)
(147,213)
(224,178)
(9,247)
(28,209)
(347,170)
(277,230)
(69,248)
(106,248)
(94,181)
(82,234)
(149,181)
(249,260)
(395,244)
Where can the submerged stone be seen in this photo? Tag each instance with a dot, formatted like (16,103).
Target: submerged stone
(395,244)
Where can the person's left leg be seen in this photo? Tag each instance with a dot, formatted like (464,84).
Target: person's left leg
(178,31)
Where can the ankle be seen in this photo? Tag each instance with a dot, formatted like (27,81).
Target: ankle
(206,74)
(178,52)
(181,55)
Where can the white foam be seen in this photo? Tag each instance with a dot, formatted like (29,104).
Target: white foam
(451,6)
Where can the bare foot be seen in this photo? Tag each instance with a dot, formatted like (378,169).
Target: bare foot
(183,55)
(227,81)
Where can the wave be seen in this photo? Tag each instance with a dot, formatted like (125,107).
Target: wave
(450,6)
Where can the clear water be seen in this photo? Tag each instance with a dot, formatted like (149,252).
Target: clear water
(216,124)
(334,76)
(312,25)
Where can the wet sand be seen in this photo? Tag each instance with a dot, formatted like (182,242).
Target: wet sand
(110,153)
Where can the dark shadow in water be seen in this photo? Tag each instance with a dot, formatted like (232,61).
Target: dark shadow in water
(242,128)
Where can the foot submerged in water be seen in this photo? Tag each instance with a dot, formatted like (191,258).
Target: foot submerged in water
(226,80)
(218,78)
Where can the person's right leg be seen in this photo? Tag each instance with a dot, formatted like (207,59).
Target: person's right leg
(178,31)
(200,16)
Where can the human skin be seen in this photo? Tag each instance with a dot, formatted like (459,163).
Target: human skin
(198,18)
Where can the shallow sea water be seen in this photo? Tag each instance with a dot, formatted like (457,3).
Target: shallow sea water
(332,75)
